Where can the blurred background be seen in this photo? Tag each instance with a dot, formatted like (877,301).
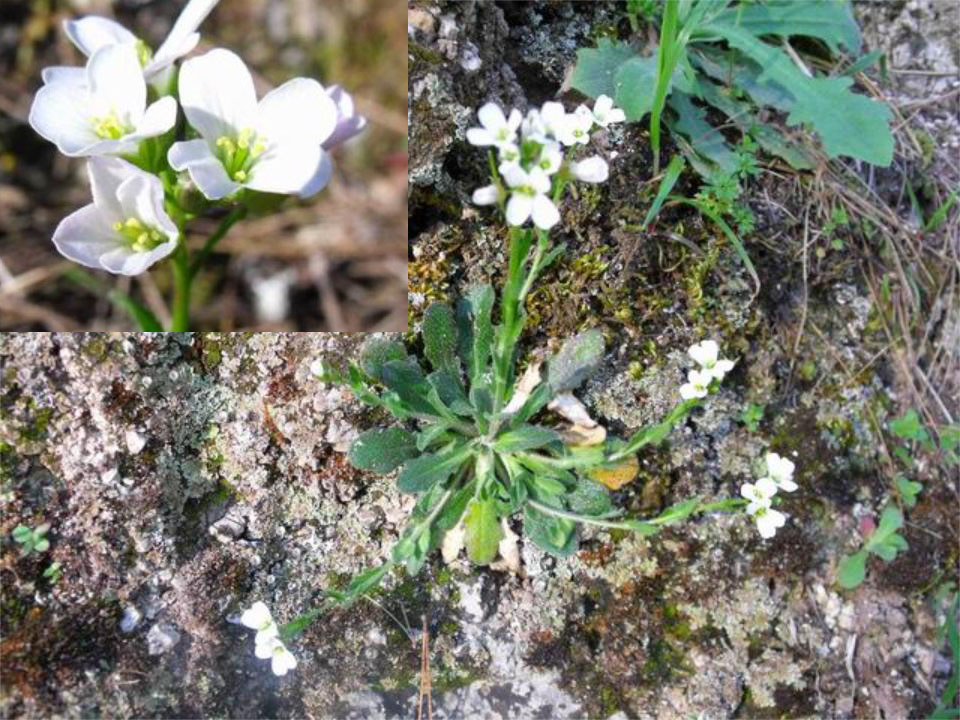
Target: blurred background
(335,262)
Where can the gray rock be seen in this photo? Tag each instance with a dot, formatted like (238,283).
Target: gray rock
(161,637)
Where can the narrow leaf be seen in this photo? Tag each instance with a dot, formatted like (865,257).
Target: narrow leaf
(669,179)
(525,437)
(424,472)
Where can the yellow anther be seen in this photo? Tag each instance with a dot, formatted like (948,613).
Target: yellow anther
(118,226)
(258,149)
(133,223)
(108,127)
(240,176)
(243,139)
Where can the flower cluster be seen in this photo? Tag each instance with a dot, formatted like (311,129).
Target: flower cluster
(268,643)
(120,106)
(761,493)
(707,355)
(534,156)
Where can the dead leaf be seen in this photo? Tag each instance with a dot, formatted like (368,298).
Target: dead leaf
(452,542)
(584,430)
(529,381)
(583,435)
(509,550)
(616,475)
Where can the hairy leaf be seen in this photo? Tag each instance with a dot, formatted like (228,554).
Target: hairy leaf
(475,330)
(483,532)
(406,379)
(885,541)
(431,434)
(557,536)
(453,510)
(589,498)
(426,471)
(577,359)
(525,437)
(828,20)
(450,391)
(377,352)
(382,451)
(440,338)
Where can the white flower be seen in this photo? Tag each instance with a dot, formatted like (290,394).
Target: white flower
(271,146)
(761,492)
(760,496)
(509,156)
(592,169)
(102,111)
(767,519)
(257,617)
(487,195)
(497,129)
(604,113)
(578,126)
(92,33)
(125,230)
(780,471)
(529,198)
(349,123)
(551,158)
(552,123)
(705,354)
(696,385)
(532,127)
(281,659)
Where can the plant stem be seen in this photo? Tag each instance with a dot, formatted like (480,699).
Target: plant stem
(587,519)
(181,290)
(236,214)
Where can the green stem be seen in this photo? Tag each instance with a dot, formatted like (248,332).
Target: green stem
(236,214)
(587,519)
(181,290)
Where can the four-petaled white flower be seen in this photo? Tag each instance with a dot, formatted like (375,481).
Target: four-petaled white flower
(102,111)
(551,158)
(604,113)
(593,169)
(126,229)
(760,507)
(529,198)
(509,156)
(706,355)
(780,472)
(92,33)
(267,644)
(281,659)
(497,129)
(696,386)
(274,146)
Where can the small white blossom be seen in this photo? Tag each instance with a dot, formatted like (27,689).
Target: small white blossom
(780,471)
(91,33)
(274,145)
(706,355)
(604,113)
(125,230)
(102,110)
(578,126)
(533,127)
(760,507)
(529,198)
(509,156)
(696,385)
(281,659)
(759,492)
(552,124)
(551,158)
(487,195)
(496,128)
(257,617)
(592,169)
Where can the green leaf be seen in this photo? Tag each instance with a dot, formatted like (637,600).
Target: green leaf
(828,20)
(885,541)
(852,570)
(734,239)
(557,536)
(910,427)
(426,471)
(677,513)
(454,509)
(145,319)
(669,179)
(440,338)
(382,450)
(635,84)
(483,532)
(42,545)
(848,124)
(450,391)
(525,437)
(546,486)
(377,352)
(577,359)
(367,580)
(406,379)
(475,330)
(589,498)
(908,490)
(596,68)
(21,533)
(705,139)
(431,434)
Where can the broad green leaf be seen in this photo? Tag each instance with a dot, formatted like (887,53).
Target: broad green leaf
(885,541)
(557,536)
(705,139)
(577,359)
(525,437)
(483,532)
(475,330)
(431,434)
(589,498)
(596,68)
(828,20)
(450,391)
(426,471)
(544,485)
(405,378)
(382,450)
(635,84)
(21,533)
(453,510)
(908,490)
(377,352)
(734,70)
(909,427)
(440,338)
(852,570)
(847,124)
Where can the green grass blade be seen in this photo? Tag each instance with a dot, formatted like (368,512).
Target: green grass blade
(669,179)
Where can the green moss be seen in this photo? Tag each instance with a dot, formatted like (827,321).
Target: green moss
(38,421)
(609,701)
(424,55)
(97,348)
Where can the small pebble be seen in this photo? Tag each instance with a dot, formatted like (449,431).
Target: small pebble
(131,618)
(135,441)
(161,638)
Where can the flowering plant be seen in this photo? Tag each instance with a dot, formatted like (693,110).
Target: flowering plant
(151,172)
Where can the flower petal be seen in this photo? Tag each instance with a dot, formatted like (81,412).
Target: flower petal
(116,83)
(256,616)
(766,487)
(61,114)
(515,176)
(63,73)
(85,235)
(299,111)
(603,105)
(545,213)
(217,95)
(480,137)
(519,207)
(320,178)
(183,36)
(349,123)
(141,197)
(205,169)
(704,353)
(125,262)
(486,195)
(286,167)
(159,117)
(93,32)
(106,175)
(492,117)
